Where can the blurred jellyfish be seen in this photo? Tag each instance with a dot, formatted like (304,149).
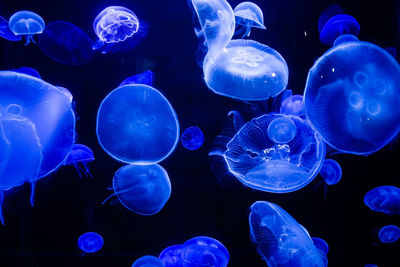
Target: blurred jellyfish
(327,13)
(80,155)
(148,261)
(350,95)
(320,244)
(5,31)
(136,124)
(66,43)
(281,130)
(331,172)
(389,234)
(26,23)
(345,38)
(192,138)
(337,25)
(293,106)
(90,242)
(384,199)
(250,16)
(172,256)
(280,240)
(28,71)
(145,78)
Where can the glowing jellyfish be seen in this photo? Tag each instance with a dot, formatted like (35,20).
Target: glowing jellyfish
(345,38)
(321,244)
(338,25)
(28,71)
(26,23)
(350,95)
(389,234)
(246,70)
(66,43)
(192,138)
(260,163)
(136,124)
(67,94)
(80,155)
(141,78)
(6,33)
(280,239)
(148,261)
(250,16)
(331,172)
(370,265)
(327,13)
(281,130)
(90,242)
(293,106)
(172,256)
(384,199)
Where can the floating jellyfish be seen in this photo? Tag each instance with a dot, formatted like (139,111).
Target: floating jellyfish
(246,70)
(90,242)
(280,240)
(331,172)
(26,23)
(28,71)
(172,256)
(328,13)
(192,138)
(66,43)
(384,199)
(148,261)
(389,234)
(345,38)
(250,16)
(80,154)
(338,25)
(145,78)
(293,106)
(281,130)
(136,124)
(350,95)
(320,244)
(6,33)
(260,163)
(370,265)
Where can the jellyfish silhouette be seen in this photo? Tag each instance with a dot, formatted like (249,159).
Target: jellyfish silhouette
(90,242)
(384,199)
(389,234)
(145,78)
(26,23)
(172,256)
(6,33)
(249,15)
(28,71)
(148,261)
(293,105)
(192,138)
(80,154)
(331,172)
(345,38)
(66,43)
(338,25)
(350,95)
(320,244)
(136,124)
(280,239)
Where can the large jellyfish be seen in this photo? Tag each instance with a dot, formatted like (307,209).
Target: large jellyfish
(80,154)
(192,138)
(148,261)
(331,172)
(384,199)
(389,234)
(249,15)
(26,23)
(90,242)
(172,256)
(6,33)
(279,160)
(350,95)
(281,240)
(136,124)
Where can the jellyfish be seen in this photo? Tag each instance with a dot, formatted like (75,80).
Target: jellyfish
(389,234)
(66,43)
(331,172)
(281,130)
(6,33)
(26,23)
(280,239)
(28,71)
(345,38)
(259,162)
(192,138)
(80,154)
(320,244)
(145,78)
(384,199)
(370,265)
(350,95)
(328,12)
(143,189)
(67,94)
(246,70)
(249,15)
(172,256)
(136,124)
(293,106)
(148,261)
(90,242)
(338,25)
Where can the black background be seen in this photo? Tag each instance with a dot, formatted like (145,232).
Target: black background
(67,206)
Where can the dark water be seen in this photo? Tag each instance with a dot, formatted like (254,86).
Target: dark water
(66,206)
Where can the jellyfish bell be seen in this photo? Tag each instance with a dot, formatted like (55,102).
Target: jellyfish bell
(26,23)
(321,244)
(281,130)
(338,25)
(327,13)
(249,15)
(384,199)
(6,33)
(293,105)
(80,155)
(90,242)
(344,38)
(172,256)
(389,234)
(148,261)
(192,138)
(331,172)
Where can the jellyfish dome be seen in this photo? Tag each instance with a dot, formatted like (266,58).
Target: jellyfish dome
(148,261)
(338,25)
(281,240)
(26,23)
(6,33)
(328,13)
(350,95)
(249,15)
(172,256)
(246,70)
(331,171)
(80,154)
(293,105)
(345,38)
(136,124)
(384,199)
(259,162)
(389,234)
(321,244)
(90,242)
(192,138)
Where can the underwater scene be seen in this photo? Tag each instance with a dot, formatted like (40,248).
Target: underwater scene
(199,133)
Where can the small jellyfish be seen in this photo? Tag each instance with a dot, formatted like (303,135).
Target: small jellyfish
(26,23)
(80,154)
(389,234)
(328,12)
(148,261)
(293,106)
(28,71)
(172,256)
(384,199)
(90,242)
(338,25)
(250,16)
(136,124)
(331,172)
(281,130)
(192,138)
(145,78)
(321,244)
(345,38)
(6,33)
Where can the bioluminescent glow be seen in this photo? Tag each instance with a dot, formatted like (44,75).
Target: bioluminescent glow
(389,234)
(384,199)
(338,25)
(192,138)
(293,105)
(172,256)
(26,23)
(331,172)
(249,15)
(80,155)
(148,261)
(281,130)
(6,33)
(90,242)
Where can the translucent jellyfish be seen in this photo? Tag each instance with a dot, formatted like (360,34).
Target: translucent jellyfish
(328,12)
(293,106)
(281,130)
(260,163)
(250,16)
(350,95)
(26,23)
(344,39)
(143,189)
(148,261)
(141,78)
(320,244)
(246,70)
(281,240)
(192,138)
(384,199)
(90,242)
(338,25)
(136,124)
(331,172)
(389,234)
(28,71)
(6,33)
(172,256)
(80,155)
(66,43)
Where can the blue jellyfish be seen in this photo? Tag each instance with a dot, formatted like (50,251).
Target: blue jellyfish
(384,199)
(370,265)
(28,71)
(260,163)
(67,94)
(145,78)
(293,105)
(389,234)
(192,138)
(246,70)
(331,172)
(26,23)
(143,189)
(66,43)
(90,242)
(6,33)
(250,16)
(281,130)
(338,25)
(172,256)
(148,261)
(281,240)
(321,244)
(345,38)
(327,13)
(350,95)
(136,124)
(80,154)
